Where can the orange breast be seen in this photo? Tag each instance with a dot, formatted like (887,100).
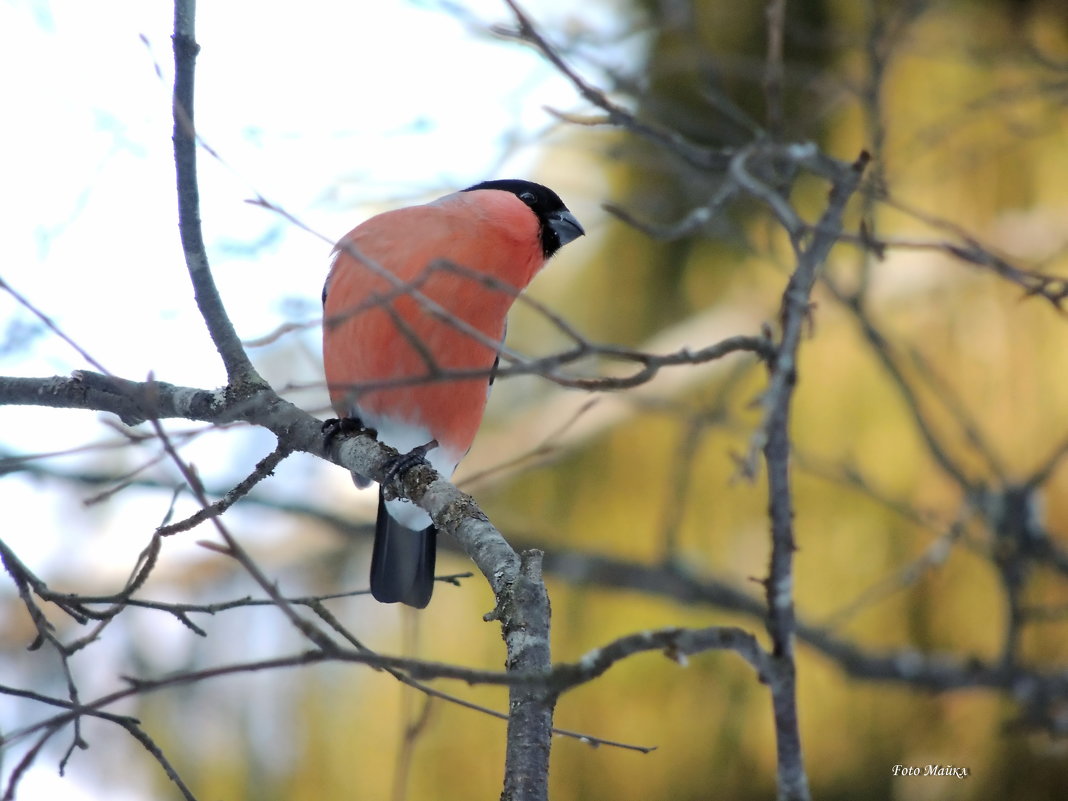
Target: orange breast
(387,352)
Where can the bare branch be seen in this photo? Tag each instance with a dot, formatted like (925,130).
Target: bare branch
(883,352)
(793,783)
(239,370)
(49,323)
(674,142)
(969,249)
(264,468)
(676,643)
(102,393)
(773,70)
(234,548)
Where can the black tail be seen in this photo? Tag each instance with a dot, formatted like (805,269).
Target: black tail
(402,565)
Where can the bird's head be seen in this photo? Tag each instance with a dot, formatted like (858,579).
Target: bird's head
(558,224)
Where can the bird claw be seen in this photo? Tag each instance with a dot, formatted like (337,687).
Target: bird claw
(342,427)
(406,461)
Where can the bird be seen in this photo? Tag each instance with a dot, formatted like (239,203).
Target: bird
(414,308)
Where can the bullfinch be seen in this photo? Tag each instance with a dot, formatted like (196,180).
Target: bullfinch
(414,297)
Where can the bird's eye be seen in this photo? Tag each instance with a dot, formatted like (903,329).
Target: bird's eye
(528,198)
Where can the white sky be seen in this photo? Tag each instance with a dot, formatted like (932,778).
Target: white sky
(318,112)
(325,112)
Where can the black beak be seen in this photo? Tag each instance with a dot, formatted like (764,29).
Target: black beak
(565,226)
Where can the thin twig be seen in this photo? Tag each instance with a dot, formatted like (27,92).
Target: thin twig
(691,153)
(50,324)
(775,12)
(882,349)
(234,549)
(239,370)
(264,468)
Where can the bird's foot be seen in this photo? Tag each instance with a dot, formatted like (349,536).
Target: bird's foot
(406,461)
(342,427)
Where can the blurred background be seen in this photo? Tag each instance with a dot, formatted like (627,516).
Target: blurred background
(930,424)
